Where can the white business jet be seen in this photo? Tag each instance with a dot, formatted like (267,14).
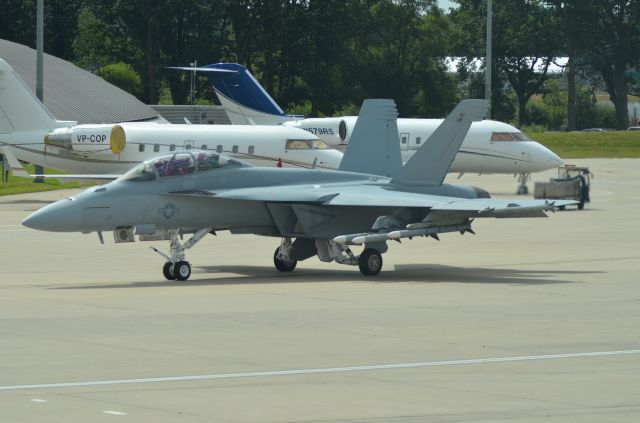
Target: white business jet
(30,133)
(489,147)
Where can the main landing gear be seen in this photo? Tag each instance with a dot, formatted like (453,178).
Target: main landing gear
(282,258)
(369,262)
(176,267)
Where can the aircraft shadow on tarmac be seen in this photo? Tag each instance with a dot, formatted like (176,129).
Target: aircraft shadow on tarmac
(406,273)
(28,201)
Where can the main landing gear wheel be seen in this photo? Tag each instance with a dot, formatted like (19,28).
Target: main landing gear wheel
(167,271)
(182,270)
(281,265)
(370,262)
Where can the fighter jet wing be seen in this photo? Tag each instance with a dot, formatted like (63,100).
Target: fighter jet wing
(494,207)
(276,194)
(456,216)
(328,195)
(378,196)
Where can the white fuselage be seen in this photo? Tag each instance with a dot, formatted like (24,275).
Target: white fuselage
(88,149)
(489,147)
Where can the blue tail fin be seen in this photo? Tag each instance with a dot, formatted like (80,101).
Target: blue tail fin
(242,96)
(242,88)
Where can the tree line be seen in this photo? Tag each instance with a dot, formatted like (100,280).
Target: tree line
(322,57)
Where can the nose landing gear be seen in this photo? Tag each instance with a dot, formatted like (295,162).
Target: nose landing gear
(180,270)
(176,267)
(523,178)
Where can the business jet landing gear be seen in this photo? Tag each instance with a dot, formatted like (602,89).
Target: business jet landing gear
(282,257)
(523,178)
(176,267)
(370,262)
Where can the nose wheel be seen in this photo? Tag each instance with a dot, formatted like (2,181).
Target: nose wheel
(182,270)
(167,271)
(523,178)
(176,267)
(177,271)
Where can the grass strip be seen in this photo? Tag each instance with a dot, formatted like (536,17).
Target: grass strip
(18,185)
(585,145)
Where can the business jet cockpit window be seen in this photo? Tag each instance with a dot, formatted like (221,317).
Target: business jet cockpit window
(306,145)
(519,136)
(501,136)
(509,136)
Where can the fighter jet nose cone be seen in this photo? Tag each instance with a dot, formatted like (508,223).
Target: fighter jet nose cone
(38,220)
(56,217)
(32,221)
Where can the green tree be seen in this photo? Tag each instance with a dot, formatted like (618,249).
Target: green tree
(554,100)
(153,35)
(525,42)
(18,24)
(99,43)
(607,36)
(123,76)
(401,54)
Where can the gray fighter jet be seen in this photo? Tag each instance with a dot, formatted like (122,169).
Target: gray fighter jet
(370,200)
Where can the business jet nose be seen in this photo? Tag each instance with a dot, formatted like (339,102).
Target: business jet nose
(330,158)
(547,158)
(553,157)
(60,216)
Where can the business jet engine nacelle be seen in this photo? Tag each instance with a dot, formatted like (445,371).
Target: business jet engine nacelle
(88,138)
(333,131)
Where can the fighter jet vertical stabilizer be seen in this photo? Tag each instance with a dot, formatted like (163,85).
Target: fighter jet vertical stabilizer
(374,146)
(432,161)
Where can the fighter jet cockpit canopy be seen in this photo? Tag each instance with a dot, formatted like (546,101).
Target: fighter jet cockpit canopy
(179,163)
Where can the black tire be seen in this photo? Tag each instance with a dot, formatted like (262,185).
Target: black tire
(182,270)
(370,262)
(281,265)
(167,271)
(580,206)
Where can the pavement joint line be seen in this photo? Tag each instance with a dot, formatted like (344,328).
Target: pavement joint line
(115,413)
(272,373)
